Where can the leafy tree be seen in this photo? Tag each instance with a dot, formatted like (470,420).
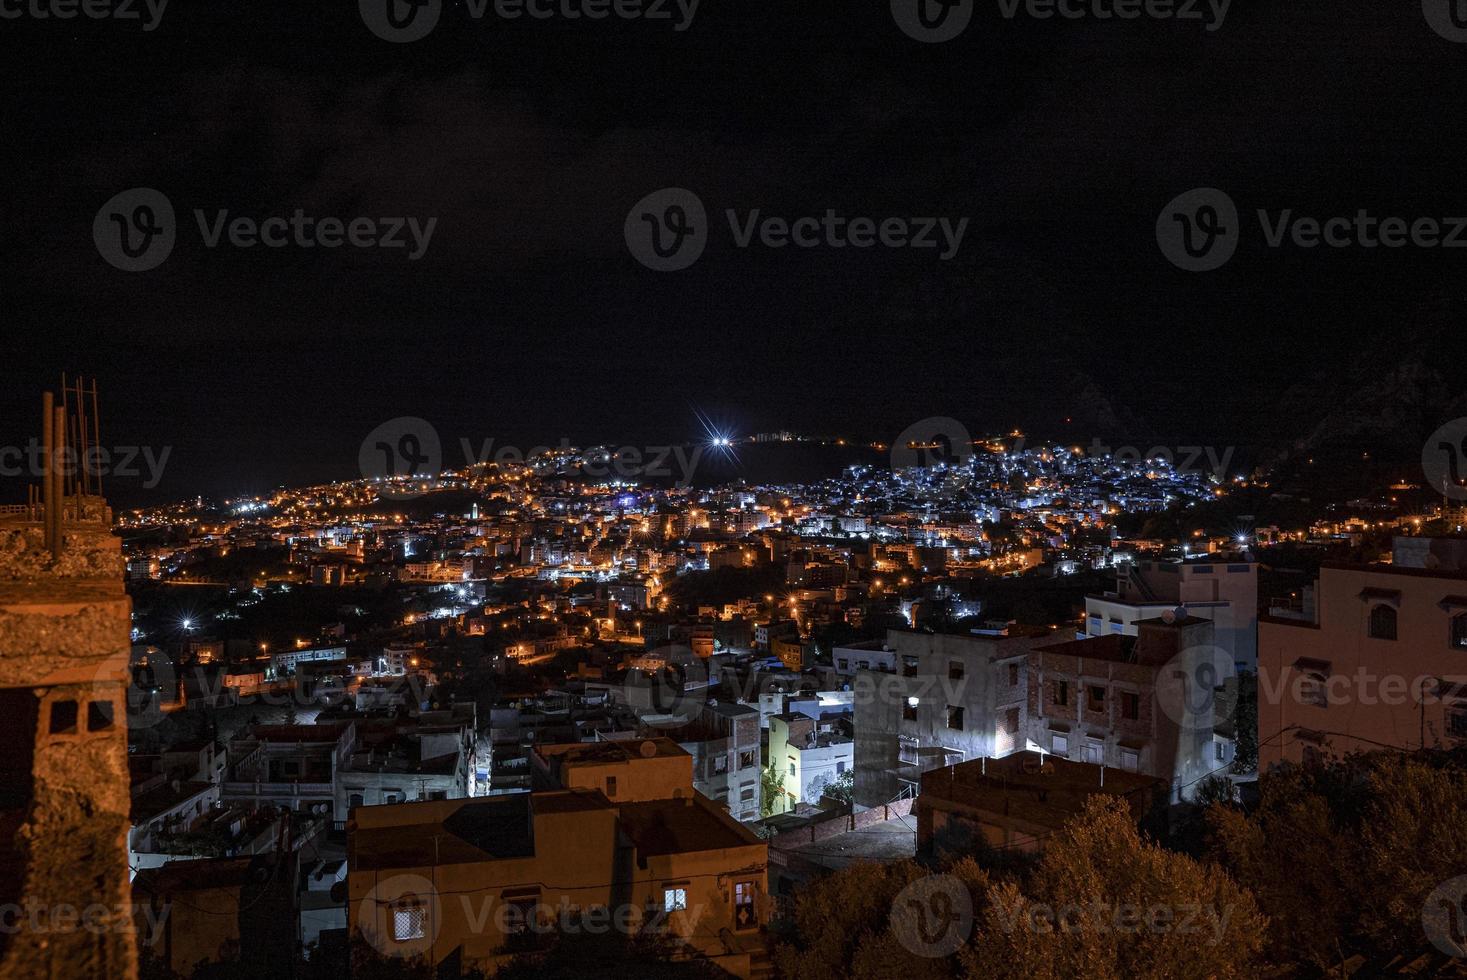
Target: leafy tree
(1102,901)
(1343,855)
(1105,902)
(771,790)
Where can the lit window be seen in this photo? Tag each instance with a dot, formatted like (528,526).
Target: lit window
(409,922)
(1130,760)
(674,899)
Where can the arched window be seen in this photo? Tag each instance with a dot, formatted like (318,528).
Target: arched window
(1459,631)
(1383,622)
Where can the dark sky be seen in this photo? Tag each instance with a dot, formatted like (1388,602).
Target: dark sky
(528,319)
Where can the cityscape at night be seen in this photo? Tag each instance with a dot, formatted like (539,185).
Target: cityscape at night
(674,489)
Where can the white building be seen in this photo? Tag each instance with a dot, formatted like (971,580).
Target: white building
(1224,592)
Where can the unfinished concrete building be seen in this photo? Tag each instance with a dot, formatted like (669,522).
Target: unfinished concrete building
(64,643)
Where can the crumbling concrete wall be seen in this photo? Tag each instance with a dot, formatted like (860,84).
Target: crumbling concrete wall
(64,641)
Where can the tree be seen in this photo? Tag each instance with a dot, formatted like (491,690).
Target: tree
(1245,723)
(1105,902)
(771,790)
(1102,901)
(1342,856)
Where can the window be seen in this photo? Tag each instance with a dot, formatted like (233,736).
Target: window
(610,787)
(356,799)
(675,898)
(63,717)
(746,760)
(955,718)
(1130,760)
(909,666)
(1459,631)
(1093,752)
(792,767)
(746,795)
(954,670)
(1013,675)
(522,912)
(1383,623)
(1130,706)
(840,767)
(744,917)
(1062,693)
(1059,743)
(1312,689)
(409,922)
(720,764)
(909,710)
(1095,700)
(845,664)
(99,716)
(1457,721)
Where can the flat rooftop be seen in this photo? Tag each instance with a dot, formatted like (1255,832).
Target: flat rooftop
(1033,787)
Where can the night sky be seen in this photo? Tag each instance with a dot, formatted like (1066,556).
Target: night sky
(528,319)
